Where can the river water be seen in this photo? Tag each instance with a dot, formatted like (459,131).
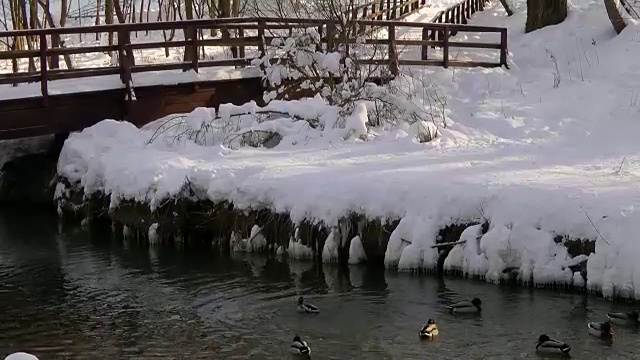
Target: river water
(71,294)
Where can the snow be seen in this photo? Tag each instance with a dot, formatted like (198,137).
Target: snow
(20,356)
(330,249)
(297,250)
(532,159)
(256,241)
(356,251)
(153,234)
(357,121)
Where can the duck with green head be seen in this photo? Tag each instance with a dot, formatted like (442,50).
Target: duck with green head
(306,307)
(299,347)
(624,318)
(548,345)
(473,306)
(600,329)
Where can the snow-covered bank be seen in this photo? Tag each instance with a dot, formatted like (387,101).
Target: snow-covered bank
(531,156)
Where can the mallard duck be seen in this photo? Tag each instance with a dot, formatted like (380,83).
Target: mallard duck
(429,330)
(628,318)
(472,306)
(21,356)
(545,344)
(306,307)
(600,329)
(299,347)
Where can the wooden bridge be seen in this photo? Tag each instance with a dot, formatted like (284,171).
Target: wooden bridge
(47,98)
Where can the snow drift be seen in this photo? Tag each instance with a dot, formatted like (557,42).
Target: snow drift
(533,156)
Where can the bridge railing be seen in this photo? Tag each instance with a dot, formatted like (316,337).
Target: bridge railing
(251,34)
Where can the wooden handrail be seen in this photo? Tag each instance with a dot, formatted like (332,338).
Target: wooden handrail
(231,23)
(436,34)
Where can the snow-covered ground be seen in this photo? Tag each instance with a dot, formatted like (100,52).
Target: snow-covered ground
(548,147)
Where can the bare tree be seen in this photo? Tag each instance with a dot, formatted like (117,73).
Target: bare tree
(615,11)
(541,13)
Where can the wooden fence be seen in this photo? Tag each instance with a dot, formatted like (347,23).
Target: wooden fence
(251,32)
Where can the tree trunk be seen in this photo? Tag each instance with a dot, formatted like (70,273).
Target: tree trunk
(225,12)
(98,6)
(55,39)
(64,9)
(506,7)
(541,13)
(188,49)
(122,19)
(108,19)
(615,11)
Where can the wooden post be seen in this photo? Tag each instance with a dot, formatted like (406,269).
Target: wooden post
(445,47)
(319,45)
(362,28)
(242,48)
(393,60)
(425,48)
(193,38)
(458,14)
(440,32)
(453,21)
(463,12)
(381,9)
(503,48)
(481,5)
(55,59)
(261,45)
(468,7)
(393,12)
(354,25)
(331,31)
(124,61)
(44,74)
(388,9)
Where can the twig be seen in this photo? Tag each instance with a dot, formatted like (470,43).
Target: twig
(621,164)
(594,226)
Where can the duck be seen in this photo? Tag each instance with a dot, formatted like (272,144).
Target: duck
(475,305)
(299,347)
(546,344)
(621,318)
(429,330)
(306,307)
(20,356)
(600,329)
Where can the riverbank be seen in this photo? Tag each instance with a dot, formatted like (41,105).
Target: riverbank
(536,181)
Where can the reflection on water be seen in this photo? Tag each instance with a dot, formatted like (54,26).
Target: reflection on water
(77,295)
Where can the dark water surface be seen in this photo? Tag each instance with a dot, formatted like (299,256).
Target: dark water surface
(74,295)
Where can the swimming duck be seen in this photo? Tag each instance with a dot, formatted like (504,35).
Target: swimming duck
(429,330)
(299,347)
(628,318)
(472,306)
(600,329)
(20,356)
(306,307)
(545,344)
